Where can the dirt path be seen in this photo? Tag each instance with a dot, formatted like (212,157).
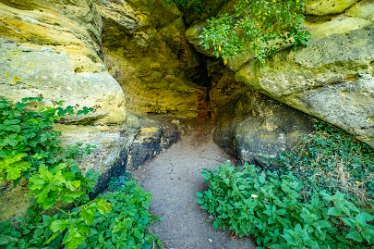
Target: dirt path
(173,178)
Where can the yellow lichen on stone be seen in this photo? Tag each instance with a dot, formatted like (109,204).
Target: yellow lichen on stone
(363,9)
(46,27)
(338,25)
(327,7)
(147,53)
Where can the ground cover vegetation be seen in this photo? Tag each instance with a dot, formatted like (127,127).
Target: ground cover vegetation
(320,196)
(259,26)
(61,212)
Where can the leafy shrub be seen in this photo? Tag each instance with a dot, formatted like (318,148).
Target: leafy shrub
(330,159)
(31,149)
(113,220)
(251,202)
(262,26)
(62,214)
(321,195)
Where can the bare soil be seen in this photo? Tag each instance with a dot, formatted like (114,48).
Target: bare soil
(173,178)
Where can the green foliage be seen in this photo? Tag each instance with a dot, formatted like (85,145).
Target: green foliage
(251,202)
(321,196)
(262,26)
(114,220)
(329,159)
(116,183)
(61,214)
(31,149)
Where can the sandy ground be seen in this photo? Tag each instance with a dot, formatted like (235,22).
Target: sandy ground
(173,178)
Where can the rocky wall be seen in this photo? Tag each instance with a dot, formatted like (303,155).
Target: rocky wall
(55,49)
(146,51)
(332,78)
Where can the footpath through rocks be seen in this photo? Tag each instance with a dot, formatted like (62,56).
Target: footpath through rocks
(173,178)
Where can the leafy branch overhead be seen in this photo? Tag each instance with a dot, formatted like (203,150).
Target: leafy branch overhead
(261,26)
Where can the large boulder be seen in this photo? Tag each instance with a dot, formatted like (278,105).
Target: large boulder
(256,128)
(331,79)
(52,49)
(121,148)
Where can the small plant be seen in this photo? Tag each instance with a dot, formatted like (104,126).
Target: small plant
(30,149)
(260,26)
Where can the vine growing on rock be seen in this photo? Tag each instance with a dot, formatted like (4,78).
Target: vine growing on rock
(61,212)
(261,26)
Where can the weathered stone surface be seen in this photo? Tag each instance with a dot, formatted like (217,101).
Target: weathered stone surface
(52,49)
(30,72)
(192,35)
(120,148)
(256,128)
(146,51)
(331,79)
(363,9)
(71,27)
(327,7)
(224,89)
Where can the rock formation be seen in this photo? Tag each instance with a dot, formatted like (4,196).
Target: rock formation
(332,78)
(127,59)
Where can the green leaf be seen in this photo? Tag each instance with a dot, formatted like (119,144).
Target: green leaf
(333,211)
(103,206)
(362,218)
(354,235)
(59,226)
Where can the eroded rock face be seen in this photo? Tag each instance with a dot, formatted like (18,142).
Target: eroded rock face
(52,49)
(146,51)
(363,9)
(327,7)
(256,128)
(332,78)
(124,148)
